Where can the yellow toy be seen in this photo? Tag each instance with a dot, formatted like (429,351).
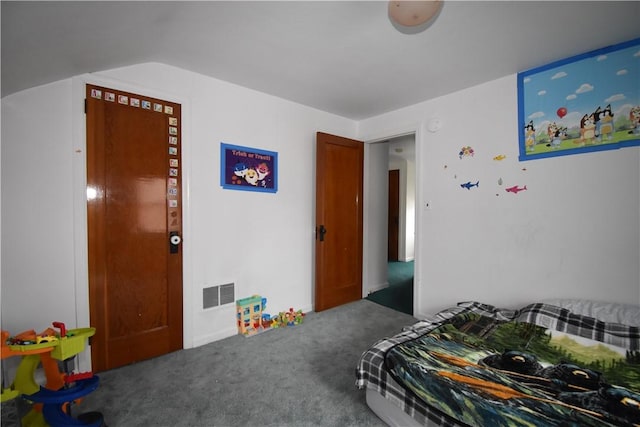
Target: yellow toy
(50,402)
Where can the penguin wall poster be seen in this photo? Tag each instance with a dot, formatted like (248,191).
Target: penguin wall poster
(248,169)
(586,103)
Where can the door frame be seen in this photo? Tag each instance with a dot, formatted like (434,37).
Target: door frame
(79,183)
(419,130)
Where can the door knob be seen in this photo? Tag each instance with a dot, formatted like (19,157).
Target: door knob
(321,232)
(174,242)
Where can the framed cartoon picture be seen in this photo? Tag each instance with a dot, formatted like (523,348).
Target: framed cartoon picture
(590,102)
(248,169)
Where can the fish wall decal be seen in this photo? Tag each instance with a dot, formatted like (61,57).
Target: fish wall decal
(515,189)
(468,185)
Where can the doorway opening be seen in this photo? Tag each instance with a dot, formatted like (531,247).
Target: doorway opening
(392,165)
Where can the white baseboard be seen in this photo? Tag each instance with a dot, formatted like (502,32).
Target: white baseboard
(207,339)
(378,287)
(228,332)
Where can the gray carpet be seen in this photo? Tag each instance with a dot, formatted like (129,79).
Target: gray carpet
(295,376)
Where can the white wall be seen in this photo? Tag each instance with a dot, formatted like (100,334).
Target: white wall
(37,209)
(375,223)
(262,242)
(410,212)
(574,233)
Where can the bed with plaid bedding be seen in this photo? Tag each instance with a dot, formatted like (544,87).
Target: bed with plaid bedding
(391,368)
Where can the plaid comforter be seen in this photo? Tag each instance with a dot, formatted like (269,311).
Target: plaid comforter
(372,373)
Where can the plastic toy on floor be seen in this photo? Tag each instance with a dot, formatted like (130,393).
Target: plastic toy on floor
(250,317)
(288,318)
(51,403)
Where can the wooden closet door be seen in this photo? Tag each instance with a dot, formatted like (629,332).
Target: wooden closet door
(134,226)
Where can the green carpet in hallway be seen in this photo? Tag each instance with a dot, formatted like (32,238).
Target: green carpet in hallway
(399,294)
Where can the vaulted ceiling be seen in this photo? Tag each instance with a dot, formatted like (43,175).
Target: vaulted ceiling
(344,57)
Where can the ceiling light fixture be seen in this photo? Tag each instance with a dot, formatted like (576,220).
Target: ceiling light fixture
(411,13)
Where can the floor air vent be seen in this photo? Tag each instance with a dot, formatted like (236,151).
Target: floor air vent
(214,296)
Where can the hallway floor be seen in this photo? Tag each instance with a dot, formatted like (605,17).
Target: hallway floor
(399,294)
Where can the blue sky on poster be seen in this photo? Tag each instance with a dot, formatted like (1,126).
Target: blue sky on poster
(583,86)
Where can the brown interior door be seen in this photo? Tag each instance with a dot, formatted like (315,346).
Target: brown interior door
(134,224)
(339,169)
(394,214)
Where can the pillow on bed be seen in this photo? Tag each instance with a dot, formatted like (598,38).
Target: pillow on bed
(562,320)
(486,310)
(626,314)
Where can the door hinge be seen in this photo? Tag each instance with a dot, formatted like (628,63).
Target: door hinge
(85,105)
